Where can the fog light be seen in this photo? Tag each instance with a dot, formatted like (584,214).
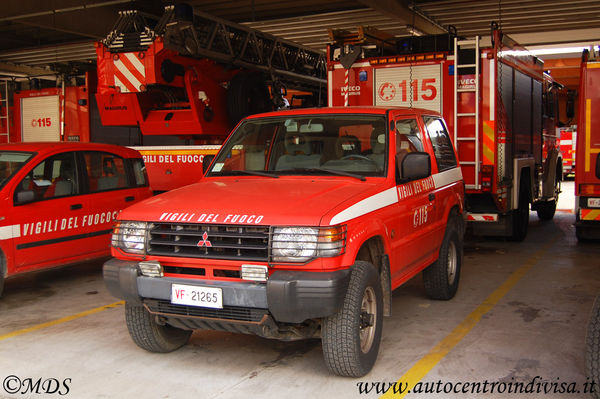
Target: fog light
(255,272)
(151,268)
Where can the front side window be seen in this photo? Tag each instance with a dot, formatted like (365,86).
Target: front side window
(442,145)
(10,163)
(140,175)
(306,144)
(105,171)
(54,177)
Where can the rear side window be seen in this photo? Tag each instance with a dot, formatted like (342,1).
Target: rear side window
(105,171)
(442,145)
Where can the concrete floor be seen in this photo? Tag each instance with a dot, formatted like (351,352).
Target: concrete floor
(521,312)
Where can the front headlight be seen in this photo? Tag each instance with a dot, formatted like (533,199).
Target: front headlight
(300,244)
(130,236)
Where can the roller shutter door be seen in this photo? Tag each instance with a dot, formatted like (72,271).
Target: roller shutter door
(40,118)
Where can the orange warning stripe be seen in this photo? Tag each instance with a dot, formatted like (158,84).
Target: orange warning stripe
(590,214)
(488,142)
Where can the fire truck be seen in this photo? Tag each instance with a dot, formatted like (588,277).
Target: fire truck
(189,77)
(567,142)
(587,165)
(499,105)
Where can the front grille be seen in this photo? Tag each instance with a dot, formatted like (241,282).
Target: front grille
(237,313)
(209,241)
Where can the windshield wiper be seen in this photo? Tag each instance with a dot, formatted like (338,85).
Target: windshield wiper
(330,171)
(244,172)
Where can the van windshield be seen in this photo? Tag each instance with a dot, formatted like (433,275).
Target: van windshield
(354,145)
(10,163)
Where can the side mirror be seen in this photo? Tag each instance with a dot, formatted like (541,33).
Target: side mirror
(206,161)
(24,197)
(413,166)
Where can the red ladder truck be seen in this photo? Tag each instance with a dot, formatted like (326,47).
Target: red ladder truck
(191,77)
(496,98)
(587,165)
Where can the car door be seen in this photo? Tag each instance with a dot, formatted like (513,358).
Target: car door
(113,183)
(49,205)
(416,203)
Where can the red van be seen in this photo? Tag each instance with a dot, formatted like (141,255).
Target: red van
(59,201)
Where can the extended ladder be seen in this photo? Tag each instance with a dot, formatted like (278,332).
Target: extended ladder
(4,114)
(206,36)
(467,46)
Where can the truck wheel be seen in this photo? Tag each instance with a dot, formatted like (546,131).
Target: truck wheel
(441,278)
(1,282)
(149,335)
(592,348)
(247,94)
(520,216)
(351,336)
(546,210)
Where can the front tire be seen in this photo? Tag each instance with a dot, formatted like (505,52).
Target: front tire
(151,336)
(441,278)
(351,337)
(547,210)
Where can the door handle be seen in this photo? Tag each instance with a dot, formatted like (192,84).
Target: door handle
(75,207)
(129,199)
(431,197)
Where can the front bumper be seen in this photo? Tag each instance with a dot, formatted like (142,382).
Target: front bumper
(288,296)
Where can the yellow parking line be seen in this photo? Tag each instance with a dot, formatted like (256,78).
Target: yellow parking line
(61,320)
(435,355)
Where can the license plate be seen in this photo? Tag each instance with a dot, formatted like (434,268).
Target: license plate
(207,297)
(594,202)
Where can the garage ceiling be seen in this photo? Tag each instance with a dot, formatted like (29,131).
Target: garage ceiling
(37,35)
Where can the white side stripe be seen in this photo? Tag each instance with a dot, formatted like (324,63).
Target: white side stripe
(447,177)
(374,202)
(390,196)
(8,232)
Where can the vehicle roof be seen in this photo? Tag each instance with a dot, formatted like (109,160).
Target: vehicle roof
(377,110)
(48,147)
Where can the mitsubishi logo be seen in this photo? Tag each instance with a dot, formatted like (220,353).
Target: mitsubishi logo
(204,241)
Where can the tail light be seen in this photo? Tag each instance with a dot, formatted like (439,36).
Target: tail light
(589,189)
(487,175)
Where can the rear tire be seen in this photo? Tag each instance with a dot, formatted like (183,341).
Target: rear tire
(592,348)
(151,336)
(1,282)
(351,337)
(441,278)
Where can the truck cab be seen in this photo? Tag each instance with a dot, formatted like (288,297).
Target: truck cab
(302,226)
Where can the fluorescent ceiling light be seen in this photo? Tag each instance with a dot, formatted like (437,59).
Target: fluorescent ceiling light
(558,50)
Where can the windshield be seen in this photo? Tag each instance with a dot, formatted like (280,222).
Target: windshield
(348,145)
(10,163)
